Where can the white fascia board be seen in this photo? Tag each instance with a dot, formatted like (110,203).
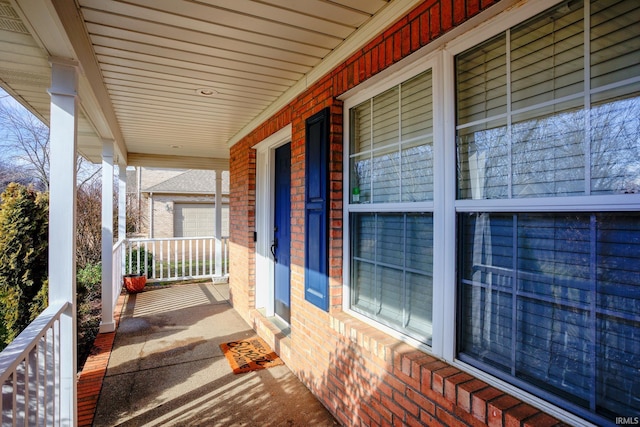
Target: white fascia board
(45,27)
(378,23)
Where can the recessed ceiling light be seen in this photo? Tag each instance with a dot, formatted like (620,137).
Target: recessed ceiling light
(205,91)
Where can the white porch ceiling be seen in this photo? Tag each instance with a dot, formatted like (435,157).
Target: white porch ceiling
(143,62)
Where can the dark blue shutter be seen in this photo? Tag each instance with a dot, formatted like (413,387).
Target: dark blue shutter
(316,257)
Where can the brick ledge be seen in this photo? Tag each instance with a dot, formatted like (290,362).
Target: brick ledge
(272,334)
(427,376)
(94,370)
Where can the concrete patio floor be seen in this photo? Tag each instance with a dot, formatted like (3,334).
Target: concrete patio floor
(166,368)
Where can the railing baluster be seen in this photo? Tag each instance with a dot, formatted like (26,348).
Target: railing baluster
(161,243)
(146,259)
(14,400)
(49,383)
(129,268)
(183,259)
(211,266)
(197,257)
(153,267)
(175,257)
(225,257)
(31,396)
(138,259)
(40,378)
(20,392)
(190,257)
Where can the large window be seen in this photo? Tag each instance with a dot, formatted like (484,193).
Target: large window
(391,209)
(548,148)
(492,201)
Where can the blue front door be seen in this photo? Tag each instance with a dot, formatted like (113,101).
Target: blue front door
(281,248)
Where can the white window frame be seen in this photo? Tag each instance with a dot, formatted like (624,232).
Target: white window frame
(597,203)
(483,32)
(391,78)
(440,57)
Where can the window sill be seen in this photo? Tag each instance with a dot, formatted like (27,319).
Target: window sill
(427,376)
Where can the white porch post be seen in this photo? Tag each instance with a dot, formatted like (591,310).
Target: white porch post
(218,226)
(62,224)
(107,323)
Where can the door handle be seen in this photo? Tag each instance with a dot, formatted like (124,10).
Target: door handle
(274,245)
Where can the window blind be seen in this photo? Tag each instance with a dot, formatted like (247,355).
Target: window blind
(386,158)
(618,306)
(614,42)
(416,110)
(557,303)
(615,113)
(481,83)
(392,269)
(360,146)
(391,144)
(551,301)
(547,58)
(545,145)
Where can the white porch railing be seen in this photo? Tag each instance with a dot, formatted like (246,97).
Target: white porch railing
(117,268)
(177,258)
(30,373)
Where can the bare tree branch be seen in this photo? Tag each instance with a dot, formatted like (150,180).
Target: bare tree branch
(26,140)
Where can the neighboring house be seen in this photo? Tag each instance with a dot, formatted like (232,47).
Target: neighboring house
(177,203)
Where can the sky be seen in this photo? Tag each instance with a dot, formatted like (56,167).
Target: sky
(6,99)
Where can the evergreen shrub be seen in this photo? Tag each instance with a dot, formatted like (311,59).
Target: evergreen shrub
(24,239)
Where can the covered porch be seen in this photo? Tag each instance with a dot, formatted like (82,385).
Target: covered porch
(433,203)
(165,366)
(156,84)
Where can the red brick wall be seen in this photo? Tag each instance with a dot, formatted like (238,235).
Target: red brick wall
(242,212)
(362,375)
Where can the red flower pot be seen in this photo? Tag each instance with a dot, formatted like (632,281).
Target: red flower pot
(134,282)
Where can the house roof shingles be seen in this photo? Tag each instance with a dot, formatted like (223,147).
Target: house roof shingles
(192,181)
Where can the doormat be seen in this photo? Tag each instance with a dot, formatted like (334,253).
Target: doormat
(249,355)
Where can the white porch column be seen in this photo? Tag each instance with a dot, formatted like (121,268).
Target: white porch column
(122,202)
(218,229)
(62,223)
(107,324)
